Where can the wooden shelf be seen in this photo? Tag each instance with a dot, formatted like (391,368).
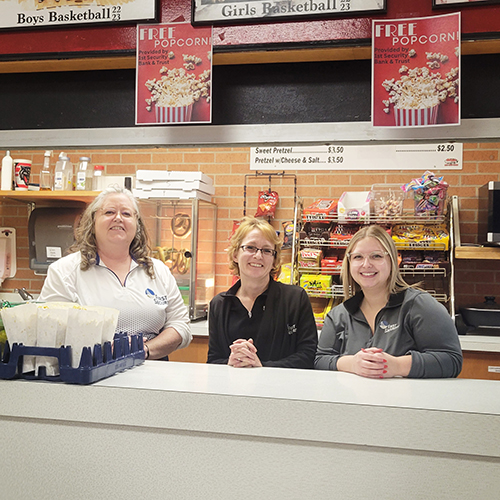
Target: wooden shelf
(50,196)
(477,253)
(269,55)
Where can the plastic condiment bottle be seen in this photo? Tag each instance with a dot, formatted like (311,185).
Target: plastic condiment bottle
(85,174)
(46,174)
(7,172)
(63,175)
(98,184)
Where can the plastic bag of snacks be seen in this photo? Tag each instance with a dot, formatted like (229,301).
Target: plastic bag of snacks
(268,201)
(287,234)
(429,193)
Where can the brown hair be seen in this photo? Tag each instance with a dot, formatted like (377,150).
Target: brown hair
(249,224)
(86,242)
(395,282)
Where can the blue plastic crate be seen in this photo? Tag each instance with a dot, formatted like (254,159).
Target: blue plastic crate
(102,362)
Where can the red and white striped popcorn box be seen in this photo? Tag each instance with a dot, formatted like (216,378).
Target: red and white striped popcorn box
(173,114)
(416,117)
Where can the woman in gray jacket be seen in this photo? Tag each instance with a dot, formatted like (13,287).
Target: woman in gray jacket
(385,328)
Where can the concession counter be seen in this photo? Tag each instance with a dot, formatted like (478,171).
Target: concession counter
(193,431)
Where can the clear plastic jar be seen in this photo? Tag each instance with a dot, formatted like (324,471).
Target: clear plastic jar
(98,181)
(63,175)
(85,175)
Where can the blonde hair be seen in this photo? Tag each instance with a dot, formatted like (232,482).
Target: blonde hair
(249,224)
(86,242)
(395,282)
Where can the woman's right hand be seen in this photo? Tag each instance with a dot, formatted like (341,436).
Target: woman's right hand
(369,362)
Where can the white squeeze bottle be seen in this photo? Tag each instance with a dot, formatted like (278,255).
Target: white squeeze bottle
(7,171)
(63,174)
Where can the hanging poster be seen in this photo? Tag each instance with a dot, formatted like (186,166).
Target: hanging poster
(173,74)
(49,13)
(415,71)
(232,11)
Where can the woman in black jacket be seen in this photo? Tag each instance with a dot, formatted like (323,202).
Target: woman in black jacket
(259,321)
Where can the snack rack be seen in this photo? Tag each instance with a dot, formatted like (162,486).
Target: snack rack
(321,279)
(95,364)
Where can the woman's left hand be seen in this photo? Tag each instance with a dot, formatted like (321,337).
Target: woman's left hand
(243,354)
(396,366)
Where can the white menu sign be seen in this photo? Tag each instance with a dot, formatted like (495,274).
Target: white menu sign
(439,156)
(230,11)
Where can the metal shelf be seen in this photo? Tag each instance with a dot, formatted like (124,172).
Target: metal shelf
(406,218)
(444,272)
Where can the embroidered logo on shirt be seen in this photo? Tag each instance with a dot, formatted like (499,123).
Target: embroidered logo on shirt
(159,300)
(387,327)
(291,329)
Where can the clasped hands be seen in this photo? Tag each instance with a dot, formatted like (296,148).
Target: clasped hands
(243,354)
(373,362)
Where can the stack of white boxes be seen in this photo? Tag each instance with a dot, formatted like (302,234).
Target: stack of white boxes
(173,184)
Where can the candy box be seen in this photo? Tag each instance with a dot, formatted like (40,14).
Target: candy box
(331,265)
(321,210)
(421,237)
(316,284)
(310,258)
(354,206)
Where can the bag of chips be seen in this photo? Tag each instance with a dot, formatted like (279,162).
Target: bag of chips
(268,201)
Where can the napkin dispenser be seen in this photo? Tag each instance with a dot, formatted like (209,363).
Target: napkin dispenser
(51,232)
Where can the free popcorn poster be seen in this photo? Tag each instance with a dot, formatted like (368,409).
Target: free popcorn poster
(415,71)
(173,74)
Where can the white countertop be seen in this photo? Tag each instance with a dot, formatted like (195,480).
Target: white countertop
(463,395)
(206,423)
(219,398)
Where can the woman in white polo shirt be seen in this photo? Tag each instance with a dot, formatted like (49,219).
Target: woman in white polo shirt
(111,266)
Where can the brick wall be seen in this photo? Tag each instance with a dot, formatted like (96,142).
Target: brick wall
(229,170)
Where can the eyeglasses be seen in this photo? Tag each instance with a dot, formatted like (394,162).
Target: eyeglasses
(111,213)
(253,250)
(373,258)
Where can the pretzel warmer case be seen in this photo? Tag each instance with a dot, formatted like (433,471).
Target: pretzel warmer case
(183,236)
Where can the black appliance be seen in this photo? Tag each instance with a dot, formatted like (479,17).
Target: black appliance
(488,216)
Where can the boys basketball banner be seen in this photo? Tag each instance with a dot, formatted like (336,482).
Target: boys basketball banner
(48,13)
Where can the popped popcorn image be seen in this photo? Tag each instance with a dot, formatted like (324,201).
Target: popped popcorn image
(419,88)
(177,87)
(190,62)
(435,56)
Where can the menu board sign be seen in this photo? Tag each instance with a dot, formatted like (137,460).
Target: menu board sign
(48,13)
(231,11)
(174,74)
(415,71)
(440,156)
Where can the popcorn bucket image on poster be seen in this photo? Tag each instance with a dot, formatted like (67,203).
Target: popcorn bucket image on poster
(416,117)
(173,114)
